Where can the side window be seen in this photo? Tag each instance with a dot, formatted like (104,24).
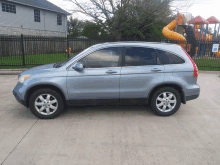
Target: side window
(7,7)
(139,56)
(103,58)
(59,19)
(37,15)
(169,58)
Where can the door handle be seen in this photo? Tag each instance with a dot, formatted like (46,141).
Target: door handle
(111,71)
(156,70)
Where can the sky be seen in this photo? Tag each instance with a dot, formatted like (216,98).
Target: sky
(204,8)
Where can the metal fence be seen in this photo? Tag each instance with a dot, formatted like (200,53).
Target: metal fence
(32,50)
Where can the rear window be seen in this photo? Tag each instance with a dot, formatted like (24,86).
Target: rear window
(139,56)
(169,58)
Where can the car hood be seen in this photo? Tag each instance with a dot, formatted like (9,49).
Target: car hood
(39,69)
(42,67)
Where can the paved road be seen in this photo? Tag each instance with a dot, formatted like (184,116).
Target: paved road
(123,135)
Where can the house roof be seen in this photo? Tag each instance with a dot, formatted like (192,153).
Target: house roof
(42,4)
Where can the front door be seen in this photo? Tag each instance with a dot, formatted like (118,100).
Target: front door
(100,77)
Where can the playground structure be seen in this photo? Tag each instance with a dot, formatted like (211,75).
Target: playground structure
(195,33)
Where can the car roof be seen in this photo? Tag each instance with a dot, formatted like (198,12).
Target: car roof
(164,46)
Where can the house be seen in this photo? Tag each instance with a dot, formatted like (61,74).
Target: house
(32,17)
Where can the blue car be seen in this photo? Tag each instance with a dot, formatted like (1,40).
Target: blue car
(161,75)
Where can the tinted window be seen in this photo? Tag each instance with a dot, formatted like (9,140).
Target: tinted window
(138,56)
(107,57)
(169,58)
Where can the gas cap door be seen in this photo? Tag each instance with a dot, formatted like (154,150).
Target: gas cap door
(176,73)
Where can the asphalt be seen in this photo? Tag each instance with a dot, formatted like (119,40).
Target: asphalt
(123,135)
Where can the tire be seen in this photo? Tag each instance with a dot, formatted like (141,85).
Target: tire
(43,110)
(157,99)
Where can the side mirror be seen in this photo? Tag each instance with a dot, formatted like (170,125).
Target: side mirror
(79,66)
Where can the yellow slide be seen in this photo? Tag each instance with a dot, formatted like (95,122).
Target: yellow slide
(167,32)
(171,34)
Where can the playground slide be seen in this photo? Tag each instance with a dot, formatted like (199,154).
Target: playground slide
(167,32)
(171,34)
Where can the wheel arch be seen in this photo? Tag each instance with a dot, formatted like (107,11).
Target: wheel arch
(172,85)
(40,86)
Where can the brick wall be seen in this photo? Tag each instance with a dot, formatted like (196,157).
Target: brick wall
(26,31)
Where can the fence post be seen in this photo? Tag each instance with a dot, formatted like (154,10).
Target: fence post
(68,46)
(22,48)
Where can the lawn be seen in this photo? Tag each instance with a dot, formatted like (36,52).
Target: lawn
(31,60)
(213,63)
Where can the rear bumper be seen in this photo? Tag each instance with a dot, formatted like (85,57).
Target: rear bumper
(192,97)
(23,102)
(192,92)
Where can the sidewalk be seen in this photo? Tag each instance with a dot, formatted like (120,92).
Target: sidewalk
(18,71)
(11,71)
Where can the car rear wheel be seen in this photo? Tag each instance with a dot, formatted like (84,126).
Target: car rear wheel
(165,101)
(46,103)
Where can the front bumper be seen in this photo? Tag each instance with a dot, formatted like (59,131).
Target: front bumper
(23,102)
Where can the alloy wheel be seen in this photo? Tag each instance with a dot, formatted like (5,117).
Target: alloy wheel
(166,101)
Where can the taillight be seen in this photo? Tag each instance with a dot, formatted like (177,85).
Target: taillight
(194,64)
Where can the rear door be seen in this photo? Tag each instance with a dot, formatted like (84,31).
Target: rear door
(141,71)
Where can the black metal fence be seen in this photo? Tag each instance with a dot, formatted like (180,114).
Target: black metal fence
(32,50)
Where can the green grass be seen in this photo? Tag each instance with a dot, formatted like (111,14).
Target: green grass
(31,59)
(213,63)
(209,69)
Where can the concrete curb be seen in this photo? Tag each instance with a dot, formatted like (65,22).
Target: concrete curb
(11,71)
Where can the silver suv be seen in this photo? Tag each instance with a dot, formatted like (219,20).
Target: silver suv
(162,75)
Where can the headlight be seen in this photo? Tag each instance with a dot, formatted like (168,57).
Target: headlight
(23,78)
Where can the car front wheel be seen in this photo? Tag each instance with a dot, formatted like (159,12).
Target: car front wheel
(46,103)
(165,101)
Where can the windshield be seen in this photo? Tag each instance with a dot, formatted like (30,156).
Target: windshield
(64,62)
(74,56)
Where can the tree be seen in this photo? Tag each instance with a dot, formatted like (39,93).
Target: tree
(113,15)
(116,16)
(94,31)
(75,27)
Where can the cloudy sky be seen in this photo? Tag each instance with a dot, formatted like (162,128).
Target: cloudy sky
(204,8)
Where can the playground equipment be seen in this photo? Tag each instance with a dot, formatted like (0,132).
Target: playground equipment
(213,20)
(194,28)
(167,31)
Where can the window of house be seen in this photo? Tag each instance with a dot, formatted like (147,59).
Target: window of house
(139,56)
(59,19)
(37,15)
(7,7)
(169,58)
